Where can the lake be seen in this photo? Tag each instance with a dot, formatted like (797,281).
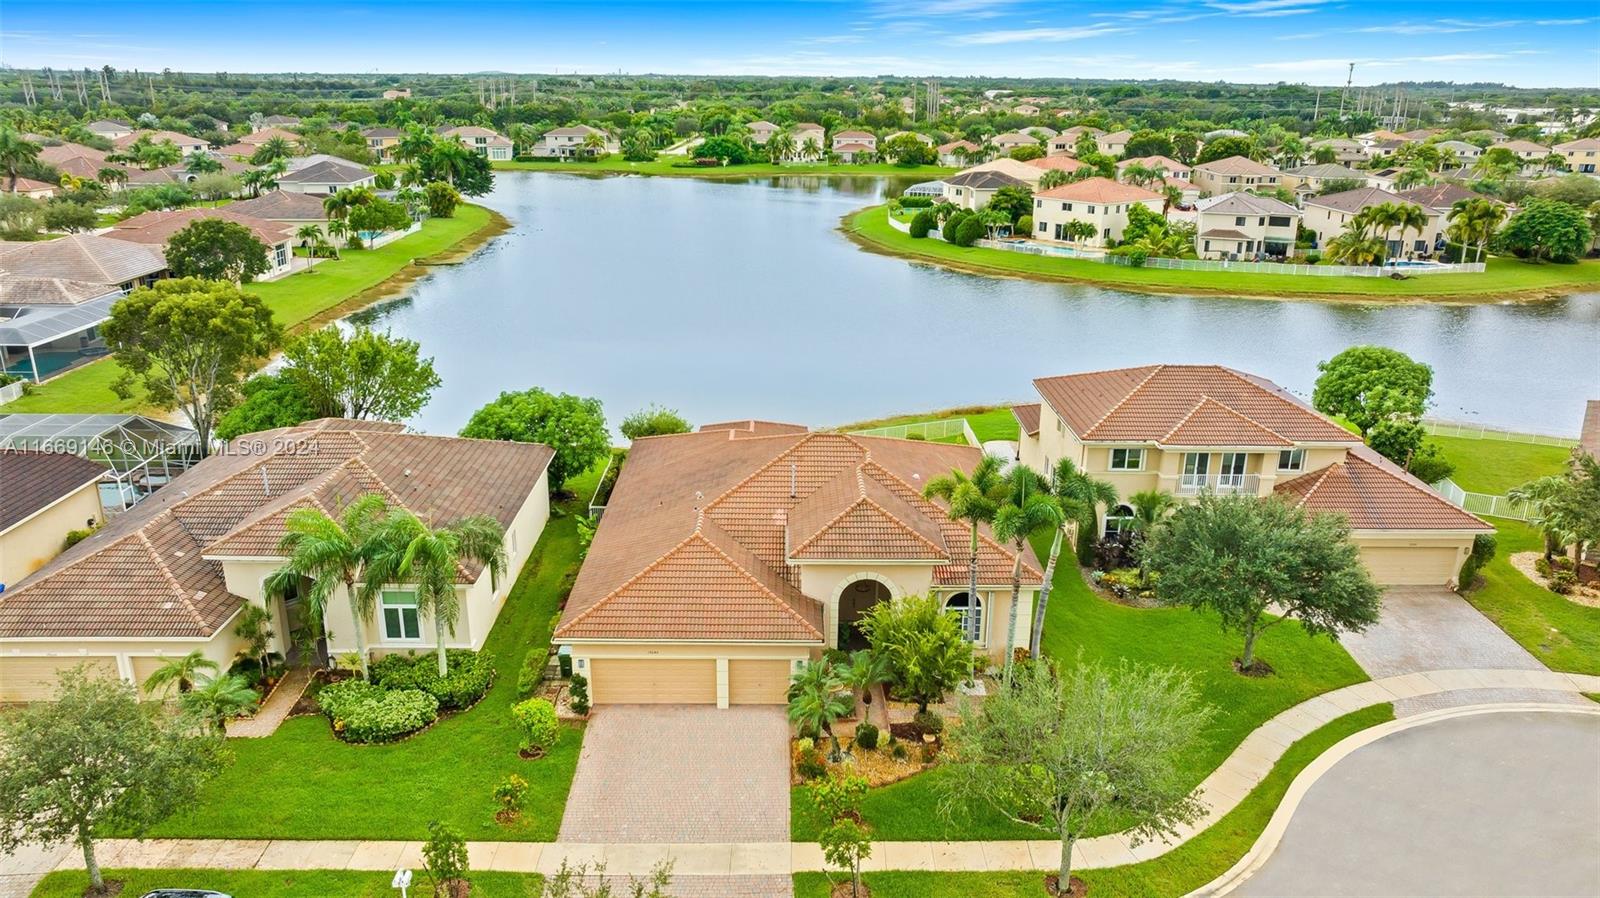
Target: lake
(731,300)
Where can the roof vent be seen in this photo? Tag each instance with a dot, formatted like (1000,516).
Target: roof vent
(794,474)
(266,485)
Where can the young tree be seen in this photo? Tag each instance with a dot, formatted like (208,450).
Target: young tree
(444,857)
(654,421)
(217,250)
(216,186)
(190,342)
(1028,508)
(1243,557)
(865,675)
(332,553)
(927,650)
(845,844)
(379,217)
(365,375)
(573,426)
(181,671)
(1065,755)
(254,626)
(817,697)
(95,760)
(1366,384)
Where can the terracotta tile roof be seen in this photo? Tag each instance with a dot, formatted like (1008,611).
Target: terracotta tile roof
(28,185)
(128,140)
(1236,165)
(1064,163)
(1354,200)
(1100,190)
(89,258)
(280,205)
(1165,162)
(953,145)
(30,481)
(158,226)
(1440,196)
(1210,423)
(754,427)
(1146,404)
(852,148)
(257,138)
(696,537)
(56,154)
(1027,417)
(855,135)
(1375,494)
(152,572)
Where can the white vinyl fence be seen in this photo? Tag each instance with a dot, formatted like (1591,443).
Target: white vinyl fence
(1480,503)
(1479,432)
(12,391)
(927,430)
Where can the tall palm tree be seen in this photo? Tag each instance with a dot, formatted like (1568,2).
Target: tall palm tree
(1474,221)
(811,149)
(973,498)
(817,697)
(201,164)
(111,175)
(1079,495)
(449,159)
(409,551)
(594,144)
(1029,507)
(1355,248)
(332,553)
(1545,500)
(272,149)
(215,699)
(15,152)
(1410,217)
(337,229)
(1170,196)
(181,671)
(416,143)
(309,236)
(780,146)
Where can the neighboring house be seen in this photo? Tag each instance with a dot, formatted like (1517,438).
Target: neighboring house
(156,228)
(1582,156)
(1385,148)
(853,152)
(1530,154)
(397,93)
(1040,132)
(1101,202)
(973,188)
(29,187)
(110,129)
(1172,167)
(565,143)
(489,144)
(1187,192)
(1066,143)
(87,258)
(1383,178)
(1113,144)
(326,176)
(170,575)
(843,139)
(1235,173)
(43,497)
(729,557)
(1241,225)
(1309,179)
(1328,216)
(186,144)
(947,152)
(1192,429)
(1589,436)
(382,141)
(1438,200)
(809,133)
(50,324)
(261,135)
(292,210)
(1465,153)
(1007,142)
(1026,109)
(1022,171)
(1345,150)
(179,173)
(761,131)
(923,138)
(1061,163)
(273,122)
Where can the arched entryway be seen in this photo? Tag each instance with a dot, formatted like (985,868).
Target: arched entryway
(857,596)
(969,611)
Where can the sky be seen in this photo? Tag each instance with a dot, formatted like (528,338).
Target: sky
(1259,41)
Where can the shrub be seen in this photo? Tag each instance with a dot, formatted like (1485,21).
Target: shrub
(531,676)
(810,765)
(337,699)
(76,536)
(469,677)
(969,231)
(1483,549)
(509,793)
(1542,565)
(804,744)
(1313,257)
(444,857)
(928,722)
(1563,582)
(579,694)
(838,796)
(392,714)
(916,202)
(1024,226)
(921,224)
(540,728)
(867,736)
(1563,563)
(898,751)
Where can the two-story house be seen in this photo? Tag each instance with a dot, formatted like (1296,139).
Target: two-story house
(1328,216)
(574,140)
(1235,173)
(1193,429)
(854,146)
(1240,225)
(1005,143)
(490,144)
(1582,156)
(1099,202)
(1306,180)
(382,141)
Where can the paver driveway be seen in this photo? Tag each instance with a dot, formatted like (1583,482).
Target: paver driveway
(670,773)
(1432,628)
(1492,804)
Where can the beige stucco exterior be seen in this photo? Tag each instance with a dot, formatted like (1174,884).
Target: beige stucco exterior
(1329,223)
(1259,231)
(1050,216)
(131,660)
(26,545)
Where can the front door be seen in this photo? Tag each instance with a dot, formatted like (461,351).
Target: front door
(1231,474)
(1196,466)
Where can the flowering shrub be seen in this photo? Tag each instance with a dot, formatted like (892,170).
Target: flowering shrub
(537,719)
(363,712)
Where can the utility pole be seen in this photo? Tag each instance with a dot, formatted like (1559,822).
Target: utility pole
(1349,78)
(27,90)
(1316,111)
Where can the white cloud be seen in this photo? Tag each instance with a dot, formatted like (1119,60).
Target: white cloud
(1038,35)
(934,9)
(1260,7)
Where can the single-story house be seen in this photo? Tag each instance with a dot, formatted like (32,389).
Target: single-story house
(88,258)
(170,575)
(1101,202)
(490,144)
(1192,429)
(110,129)
(292,210)
(729,557)
(1009,141)
(564,143)
(1329,214)
(43,497)
(1025,109)
(50,325)
(1235,173)
(31,188)
(1240,225)
(326,176)
(157,227)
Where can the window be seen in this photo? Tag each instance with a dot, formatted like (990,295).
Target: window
(1238,221)
(1231,475)
(1127,459)
(1066,207)
(971,614)
(1278,221)
(1038,204)
(400,620)
(1118,520)
(1089,209)
(280,256)
(1044,226)
(1292,460)
(1196,465)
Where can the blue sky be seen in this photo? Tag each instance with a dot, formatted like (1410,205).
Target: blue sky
(1233,40)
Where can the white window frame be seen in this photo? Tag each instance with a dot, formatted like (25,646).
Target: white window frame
(1114,514)
(973,623)
(1196,469)
(1137,455)
(1295,458)
(383,608)
(1230,469)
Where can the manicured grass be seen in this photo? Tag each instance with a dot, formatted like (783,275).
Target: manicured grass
(1078,620)
(1496,466)
(1185,868)
(669,167)
(1559,632)
(1504,277)
(284,883)
(293,300)
(987,422)
(302,783)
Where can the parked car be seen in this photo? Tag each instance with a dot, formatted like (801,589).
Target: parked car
(185,893)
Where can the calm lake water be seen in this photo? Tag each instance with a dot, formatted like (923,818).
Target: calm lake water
(736,300)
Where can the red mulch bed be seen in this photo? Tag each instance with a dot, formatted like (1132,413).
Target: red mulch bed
(1076,888)
(843,890)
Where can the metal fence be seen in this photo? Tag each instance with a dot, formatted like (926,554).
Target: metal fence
(1481,503)
(1479,432)
(927,430)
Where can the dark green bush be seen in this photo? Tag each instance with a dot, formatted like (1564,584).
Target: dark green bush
(1483,549)
(921,224)
(916,202)
(928,722)
(867,736)
(968,232)
(578,694)
(1563,582)
(469,677)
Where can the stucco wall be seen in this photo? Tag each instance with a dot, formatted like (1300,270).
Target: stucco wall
(29,544)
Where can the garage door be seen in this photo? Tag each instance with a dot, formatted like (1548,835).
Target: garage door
(752,682)
(34,679)
(143,667)
(1410,565)
(653,681)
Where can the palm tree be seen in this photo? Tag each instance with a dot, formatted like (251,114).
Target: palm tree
(416,143)
(271,150)
(817,697)
(1079,495)
(202,163)
(337,229)
(867,672)
(1150,508)
(15,152)
(1052,178)
(309,236)
(331,553)
(215,699)
(111,175)
(180,671)
(1475,221)
(1414,175)
(1029,507)
(449,159)
(1170,196)
(811,149)
(1139,175)
(407,550)
(1410,217)
(973,498)
(780,146)
(594,143)
(1545,503)
(1355,248)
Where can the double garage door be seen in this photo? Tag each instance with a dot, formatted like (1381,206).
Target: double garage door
(686,681)
(34,679)
(1410,565)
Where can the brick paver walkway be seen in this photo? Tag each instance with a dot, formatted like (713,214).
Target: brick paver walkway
(711,869)
(275,709)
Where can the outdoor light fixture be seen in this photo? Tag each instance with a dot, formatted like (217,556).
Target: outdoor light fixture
(401,881)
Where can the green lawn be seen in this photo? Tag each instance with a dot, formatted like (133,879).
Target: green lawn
(987,422)
(1504,277)
(1079,620)
(285,883)
(1496,466)
(1185,868)
(615,164)
(1560,633)
(293,300)
(302,783)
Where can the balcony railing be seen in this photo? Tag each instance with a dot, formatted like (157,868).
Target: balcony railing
(1195,484)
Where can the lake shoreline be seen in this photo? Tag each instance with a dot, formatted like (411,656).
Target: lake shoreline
(859,227)
(663,169)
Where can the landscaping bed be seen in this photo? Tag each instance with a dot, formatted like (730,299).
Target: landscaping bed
(1564,635)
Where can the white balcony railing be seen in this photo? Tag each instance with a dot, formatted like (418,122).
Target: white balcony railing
(1195,484)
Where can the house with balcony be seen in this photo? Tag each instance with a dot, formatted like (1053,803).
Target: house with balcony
(810,141)
(573,140)
(1235,173)
(1100,202)
(490,144)
(1243,225)
(1189,430)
